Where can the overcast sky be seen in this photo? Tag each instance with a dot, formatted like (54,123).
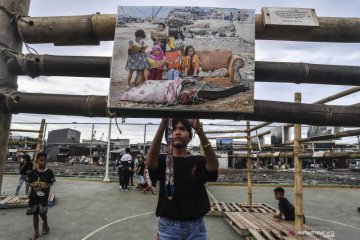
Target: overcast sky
(320,53)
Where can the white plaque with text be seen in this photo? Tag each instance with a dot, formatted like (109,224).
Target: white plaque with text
(301,17)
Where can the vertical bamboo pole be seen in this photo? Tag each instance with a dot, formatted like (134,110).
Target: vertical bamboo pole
(249,162)
(9,37)
(39,140)
(298,173)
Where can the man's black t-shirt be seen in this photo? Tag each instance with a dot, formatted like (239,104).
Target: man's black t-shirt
(190,199)
(287,208)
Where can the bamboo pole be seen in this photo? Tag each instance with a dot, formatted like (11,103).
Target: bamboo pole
(24,130)
(304,155)
(90,29)
(321,101)
(92,66)
(8,36)
(95,106)
(233,137)
(298,173)
(225,131)
(249,164)
(350,133)
(39,140)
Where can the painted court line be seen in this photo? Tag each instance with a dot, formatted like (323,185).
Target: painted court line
(212,196)
(342,224)
(109,224)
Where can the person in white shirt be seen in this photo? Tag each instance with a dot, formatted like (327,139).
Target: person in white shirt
(126,167)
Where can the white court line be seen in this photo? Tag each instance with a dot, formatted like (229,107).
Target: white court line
(342,224)
(212,196)
(109,224)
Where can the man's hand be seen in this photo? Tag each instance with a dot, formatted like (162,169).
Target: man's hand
(195,123)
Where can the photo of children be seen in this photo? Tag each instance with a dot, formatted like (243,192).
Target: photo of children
(208,59)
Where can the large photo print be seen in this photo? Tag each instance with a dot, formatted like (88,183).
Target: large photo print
(183,59)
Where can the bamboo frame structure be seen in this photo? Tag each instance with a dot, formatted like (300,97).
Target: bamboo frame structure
(299,222)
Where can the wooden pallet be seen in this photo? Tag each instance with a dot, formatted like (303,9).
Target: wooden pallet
(219,208)
(262,226)
(20,201)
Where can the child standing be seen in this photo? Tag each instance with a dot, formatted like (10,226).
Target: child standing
(25,167)
(156,70)
(160,37)
(190,62)
(137,57)
(40,180)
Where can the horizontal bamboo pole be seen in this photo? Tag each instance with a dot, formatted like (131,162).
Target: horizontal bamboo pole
(24,130)
(307,73)
(91,66)
(90,29)
(95,106)
(307,155)
(331,29)
(225,131)
(350,133)
(321,101)
(68,30)
(233,137)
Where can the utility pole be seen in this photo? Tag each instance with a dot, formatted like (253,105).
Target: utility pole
(10,38)
(145,140)
(91,143)
(107,179)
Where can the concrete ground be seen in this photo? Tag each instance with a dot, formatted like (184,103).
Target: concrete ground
(96,210)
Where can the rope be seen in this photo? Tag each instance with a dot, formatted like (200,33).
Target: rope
(24,60)
(15,17)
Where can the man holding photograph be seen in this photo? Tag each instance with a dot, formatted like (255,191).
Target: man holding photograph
(182,207)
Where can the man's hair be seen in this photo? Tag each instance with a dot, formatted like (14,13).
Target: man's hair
(162,24)
(279,190)
(41,154)
(127,150)
(140,33)
(184,122)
